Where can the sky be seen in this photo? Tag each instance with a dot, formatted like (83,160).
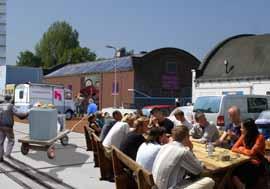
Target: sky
(142,25)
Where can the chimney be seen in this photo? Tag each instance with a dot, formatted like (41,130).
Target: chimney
(121,52)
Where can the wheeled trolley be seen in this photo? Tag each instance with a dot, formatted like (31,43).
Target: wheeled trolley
(44,145)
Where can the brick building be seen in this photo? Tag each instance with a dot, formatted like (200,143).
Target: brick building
(162,73)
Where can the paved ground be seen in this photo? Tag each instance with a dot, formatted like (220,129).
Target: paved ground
(72,164)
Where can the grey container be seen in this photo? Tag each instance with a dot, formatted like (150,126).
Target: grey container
(42,124)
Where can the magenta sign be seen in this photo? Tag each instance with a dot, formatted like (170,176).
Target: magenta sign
(170,81)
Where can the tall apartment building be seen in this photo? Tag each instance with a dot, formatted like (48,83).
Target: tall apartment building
(3,26)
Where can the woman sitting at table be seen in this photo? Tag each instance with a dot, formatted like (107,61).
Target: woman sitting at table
(252,144)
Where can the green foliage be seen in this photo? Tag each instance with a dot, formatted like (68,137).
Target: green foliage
(78,55)
(27,58)
(60,44)
(59,38)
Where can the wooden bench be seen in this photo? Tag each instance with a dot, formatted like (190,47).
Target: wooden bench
(91,145)
(105,163)
(129,174)
(87,133)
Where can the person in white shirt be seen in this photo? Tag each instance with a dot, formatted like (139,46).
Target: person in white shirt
(180,116)
(118,132)
(148,150)
(175,160)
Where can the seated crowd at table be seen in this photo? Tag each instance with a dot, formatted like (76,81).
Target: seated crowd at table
(166,149)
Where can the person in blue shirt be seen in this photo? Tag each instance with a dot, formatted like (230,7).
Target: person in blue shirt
(92,107)
(232,131)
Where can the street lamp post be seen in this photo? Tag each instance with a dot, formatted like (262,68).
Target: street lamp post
(115,76)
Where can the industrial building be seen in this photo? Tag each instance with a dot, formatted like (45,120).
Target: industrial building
(237,65)
(156,77)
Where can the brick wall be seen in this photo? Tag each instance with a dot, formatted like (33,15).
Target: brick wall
(74,81)
(125,80)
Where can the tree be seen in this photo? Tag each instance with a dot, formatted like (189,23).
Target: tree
(78,55)
(27,58)
(59,38)
(58,45)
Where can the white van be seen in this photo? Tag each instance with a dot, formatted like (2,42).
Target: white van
(216,107)
(26,95)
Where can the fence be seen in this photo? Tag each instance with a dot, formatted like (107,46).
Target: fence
(140,102)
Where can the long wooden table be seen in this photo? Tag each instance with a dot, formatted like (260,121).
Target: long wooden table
(214,162)
(219,170)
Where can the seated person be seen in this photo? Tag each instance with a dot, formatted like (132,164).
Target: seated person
(99,118)
(135,138)
(175,160)
(232,131)
(117,116)
(118,132)
(251,143)
(162,121)
(93,124)
(153,122)
(180,116)
(203,131)
(148,150)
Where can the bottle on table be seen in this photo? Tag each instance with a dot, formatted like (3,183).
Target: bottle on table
(210,149)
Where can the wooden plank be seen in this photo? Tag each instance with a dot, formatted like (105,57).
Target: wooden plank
(143,178)
(87,134)
(94,148)
(105,164)
(26,139)
(127,161)
(214,163)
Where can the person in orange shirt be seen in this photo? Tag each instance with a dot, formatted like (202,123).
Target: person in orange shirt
(251,143)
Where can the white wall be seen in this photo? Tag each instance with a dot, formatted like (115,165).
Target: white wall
(217,88)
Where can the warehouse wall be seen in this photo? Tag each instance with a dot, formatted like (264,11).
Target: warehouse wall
(125,81)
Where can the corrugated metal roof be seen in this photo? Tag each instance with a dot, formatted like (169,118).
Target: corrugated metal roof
(122,64)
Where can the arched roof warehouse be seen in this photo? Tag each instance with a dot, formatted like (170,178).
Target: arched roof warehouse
(247,57)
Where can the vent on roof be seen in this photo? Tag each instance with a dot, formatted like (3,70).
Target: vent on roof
(143,52)
(121,52)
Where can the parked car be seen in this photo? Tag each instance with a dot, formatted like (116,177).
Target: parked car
(123,111)
(166,109)
(263,123)
(188,112)
(216,107)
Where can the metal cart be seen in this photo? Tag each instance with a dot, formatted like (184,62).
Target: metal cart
(44,145)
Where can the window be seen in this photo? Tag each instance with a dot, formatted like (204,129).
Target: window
(21,94)
(207,104)
(257,105)
(171,67)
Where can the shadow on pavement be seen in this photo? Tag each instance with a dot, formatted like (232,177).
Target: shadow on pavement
(70,156)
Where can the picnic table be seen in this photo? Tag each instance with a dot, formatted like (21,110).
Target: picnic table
(216,168)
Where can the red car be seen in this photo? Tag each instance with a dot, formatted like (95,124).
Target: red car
(166,109)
